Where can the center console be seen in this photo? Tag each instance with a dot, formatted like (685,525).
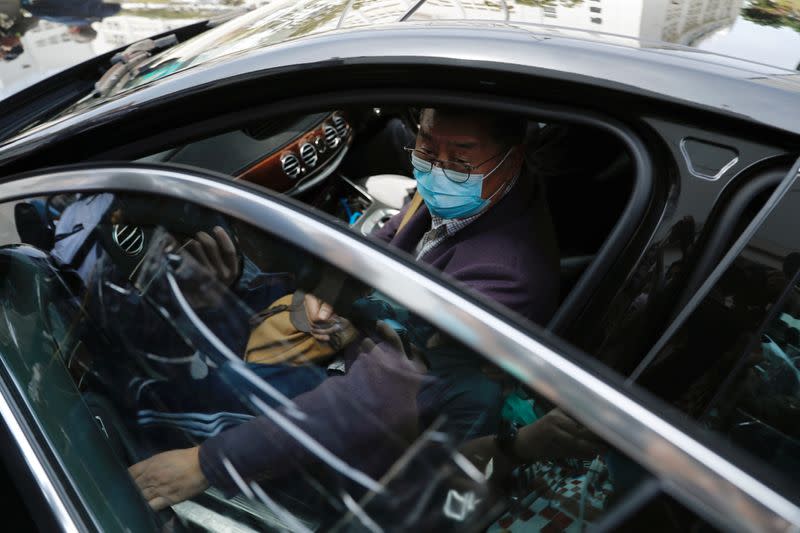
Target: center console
(367,204)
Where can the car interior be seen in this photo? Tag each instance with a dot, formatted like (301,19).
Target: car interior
(350,164)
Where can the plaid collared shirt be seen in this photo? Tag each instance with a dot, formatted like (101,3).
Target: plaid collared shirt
(442,228)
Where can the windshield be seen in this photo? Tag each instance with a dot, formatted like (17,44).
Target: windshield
(280,22)
(760,31)
(765,31)
(702,26)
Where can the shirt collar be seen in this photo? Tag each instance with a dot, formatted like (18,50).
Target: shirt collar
(455,224)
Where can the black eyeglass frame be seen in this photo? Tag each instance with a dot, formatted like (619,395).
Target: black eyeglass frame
(468,168)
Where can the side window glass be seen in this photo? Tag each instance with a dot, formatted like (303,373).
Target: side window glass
(733,363)
(760,406)
(181,361)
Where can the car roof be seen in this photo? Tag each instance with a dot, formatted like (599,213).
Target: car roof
(289,34)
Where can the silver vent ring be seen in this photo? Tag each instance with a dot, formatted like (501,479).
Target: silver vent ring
(291,165)
(341,125)
(129,239)
(331,136)
(308,153)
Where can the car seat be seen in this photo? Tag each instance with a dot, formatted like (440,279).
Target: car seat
(586,194)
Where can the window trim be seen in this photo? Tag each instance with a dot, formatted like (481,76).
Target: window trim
(32,455)
(685,466)
(56,486)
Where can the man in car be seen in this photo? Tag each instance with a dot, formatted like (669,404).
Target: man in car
(479,218)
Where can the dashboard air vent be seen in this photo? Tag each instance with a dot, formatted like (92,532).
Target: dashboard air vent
(331,137)
(291,165)
(340,125)
(309,155)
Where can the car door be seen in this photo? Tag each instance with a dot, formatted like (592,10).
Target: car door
(729,360)
(127,335)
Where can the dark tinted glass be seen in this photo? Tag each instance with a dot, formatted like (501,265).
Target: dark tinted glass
(734,362)
(146,332)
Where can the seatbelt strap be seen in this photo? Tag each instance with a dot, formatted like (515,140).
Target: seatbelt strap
(413,206)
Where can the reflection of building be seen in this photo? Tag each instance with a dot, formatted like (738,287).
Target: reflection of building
(686,21)
(48,48)
(114,32)
(675,21)
(678,21)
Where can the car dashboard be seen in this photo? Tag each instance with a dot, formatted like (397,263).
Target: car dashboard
(300,157)
(286,155)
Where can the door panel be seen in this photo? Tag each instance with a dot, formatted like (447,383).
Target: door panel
(174,308)
(730,360)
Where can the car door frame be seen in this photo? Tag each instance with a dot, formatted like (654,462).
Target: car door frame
(635,423)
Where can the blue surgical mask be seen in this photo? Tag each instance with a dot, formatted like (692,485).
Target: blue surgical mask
(447,199)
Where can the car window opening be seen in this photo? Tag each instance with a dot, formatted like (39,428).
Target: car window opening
(205,338)
(361,151)
(187,332)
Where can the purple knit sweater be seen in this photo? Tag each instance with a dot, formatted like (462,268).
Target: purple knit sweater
(368,416)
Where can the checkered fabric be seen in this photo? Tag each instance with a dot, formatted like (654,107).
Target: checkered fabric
(554,498)
(442,228)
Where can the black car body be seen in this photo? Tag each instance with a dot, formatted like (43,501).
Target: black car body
(669,175)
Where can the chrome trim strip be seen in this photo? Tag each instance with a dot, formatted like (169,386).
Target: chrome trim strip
(35,465)
(210,520)
(691,472)
(697,174)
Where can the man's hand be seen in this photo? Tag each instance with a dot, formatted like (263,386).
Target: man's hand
(556,436)
(324,322)
(396,344)
(170,477)
(216,253)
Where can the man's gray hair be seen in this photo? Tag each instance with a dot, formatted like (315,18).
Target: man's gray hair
(505,128)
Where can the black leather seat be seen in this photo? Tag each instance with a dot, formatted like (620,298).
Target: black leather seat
(587,176)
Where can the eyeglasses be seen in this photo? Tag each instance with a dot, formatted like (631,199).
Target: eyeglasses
(456,171)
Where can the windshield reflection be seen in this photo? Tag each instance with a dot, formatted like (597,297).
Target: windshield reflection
(34,47)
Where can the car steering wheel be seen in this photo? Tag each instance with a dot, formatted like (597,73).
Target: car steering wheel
(130,223)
